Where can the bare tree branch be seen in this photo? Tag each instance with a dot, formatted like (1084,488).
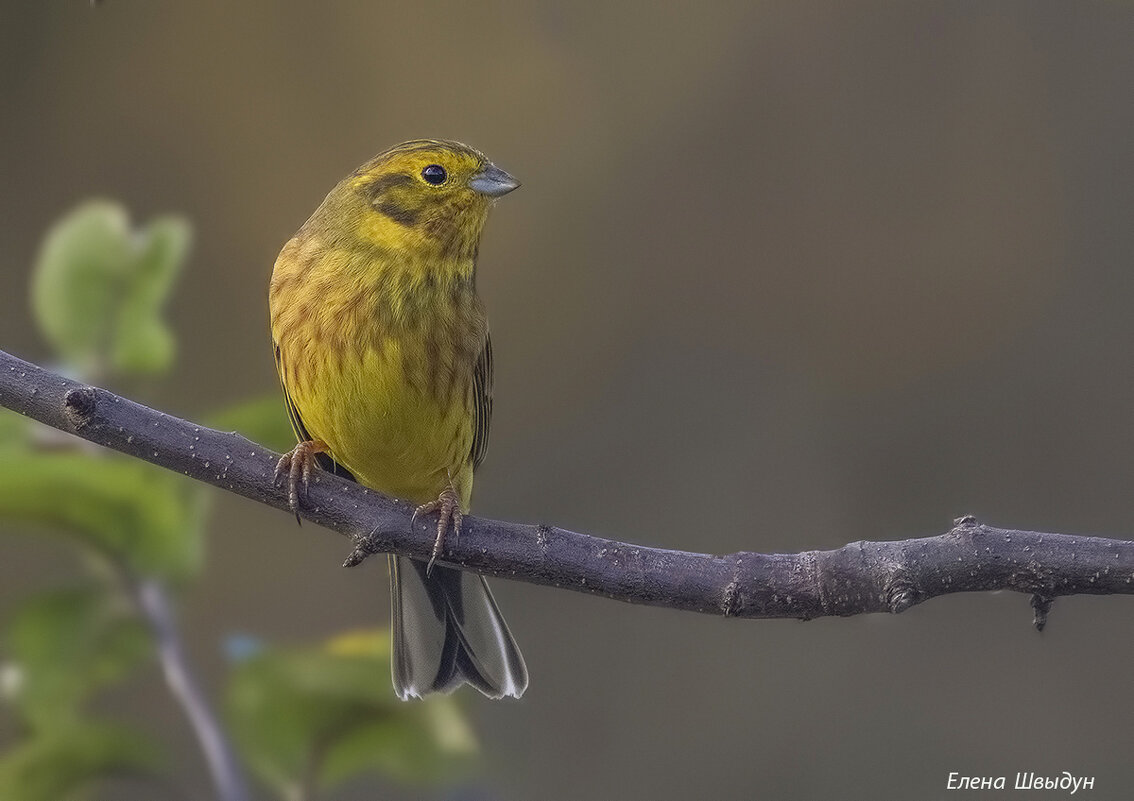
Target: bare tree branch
(228,778)
(856,578)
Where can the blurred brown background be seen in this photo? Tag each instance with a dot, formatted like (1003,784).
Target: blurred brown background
(850,269)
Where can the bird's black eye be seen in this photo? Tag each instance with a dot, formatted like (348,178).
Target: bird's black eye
(434,174)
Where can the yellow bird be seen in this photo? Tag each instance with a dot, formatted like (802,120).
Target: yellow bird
(383,352)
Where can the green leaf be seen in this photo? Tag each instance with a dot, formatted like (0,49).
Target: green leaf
(328,712)
(98,289)
(64,645)
(142,342)
(263,420)
(129,510)
(80,271)
(435,745)
(64,762)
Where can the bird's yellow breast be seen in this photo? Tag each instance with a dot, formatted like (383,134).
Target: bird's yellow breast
(377,355)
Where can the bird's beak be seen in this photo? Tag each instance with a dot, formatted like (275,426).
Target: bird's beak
(492,181)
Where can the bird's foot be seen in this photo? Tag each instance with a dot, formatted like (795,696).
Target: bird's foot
(449,507)
(295,466)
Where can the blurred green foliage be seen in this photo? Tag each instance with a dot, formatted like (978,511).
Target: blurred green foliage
(52,633)
(140,517)
(304,717)
(64,763)
(324,714)
(99,288)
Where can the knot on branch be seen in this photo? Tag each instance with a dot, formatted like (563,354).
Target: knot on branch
(730,599)
(1030,579)
(1041,605)
(901,594)
(966,527)
(731,602)
(79,406)
(365,546)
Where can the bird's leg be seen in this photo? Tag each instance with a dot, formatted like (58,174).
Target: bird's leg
(296,465)
(448,505)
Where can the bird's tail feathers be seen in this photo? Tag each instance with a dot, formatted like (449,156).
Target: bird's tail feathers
(448,631)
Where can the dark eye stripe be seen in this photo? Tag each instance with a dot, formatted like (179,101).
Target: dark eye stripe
(399,214)
(386,204)
(380,185)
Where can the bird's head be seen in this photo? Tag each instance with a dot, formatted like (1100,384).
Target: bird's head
(425,195)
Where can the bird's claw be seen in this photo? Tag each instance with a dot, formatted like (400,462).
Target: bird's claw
(295,466)
(449,507)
